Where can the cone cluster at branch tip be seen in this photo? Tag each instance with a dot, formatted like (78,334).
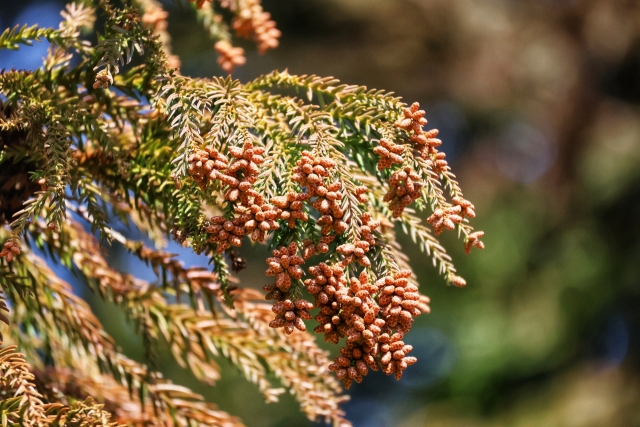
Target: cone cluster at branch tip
(311,249)
(250,22)
(406,185)
(10,250)
(103,79)
(372,316)
(251,215)
(205,165)
(253,23)
(389,152)
(292,207)
(474,241)
(285,265)
(229,57)
(242,173)
(425,142)
(357,250)
(447,218)
(255,220)
(404,189)
(457,281)
(311,172)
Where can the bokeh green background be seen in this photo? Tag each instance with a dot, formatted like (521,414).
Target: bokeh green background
(538,103)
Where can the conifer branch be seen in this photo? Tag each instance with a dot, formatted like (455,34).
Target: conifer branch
(185,109)
(422,235)
(3,308)
(213,22)
(25,405)
(12,38)
(124,35)
(305,370)
(329,89)
(75,18)
(73,318)
(322,178)
(195,337)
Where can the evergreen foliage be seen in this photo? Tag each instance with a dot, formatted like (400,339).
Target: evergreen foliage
(319,170)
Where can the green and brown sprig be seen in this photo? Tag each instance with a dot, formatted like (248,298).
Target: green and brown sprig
(88,140)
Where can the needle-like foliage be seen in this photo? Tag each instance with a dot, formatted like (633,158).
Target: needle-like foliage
(319,170)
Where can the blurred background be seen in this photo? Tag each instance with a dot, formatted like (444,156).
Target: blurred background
(538,104)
